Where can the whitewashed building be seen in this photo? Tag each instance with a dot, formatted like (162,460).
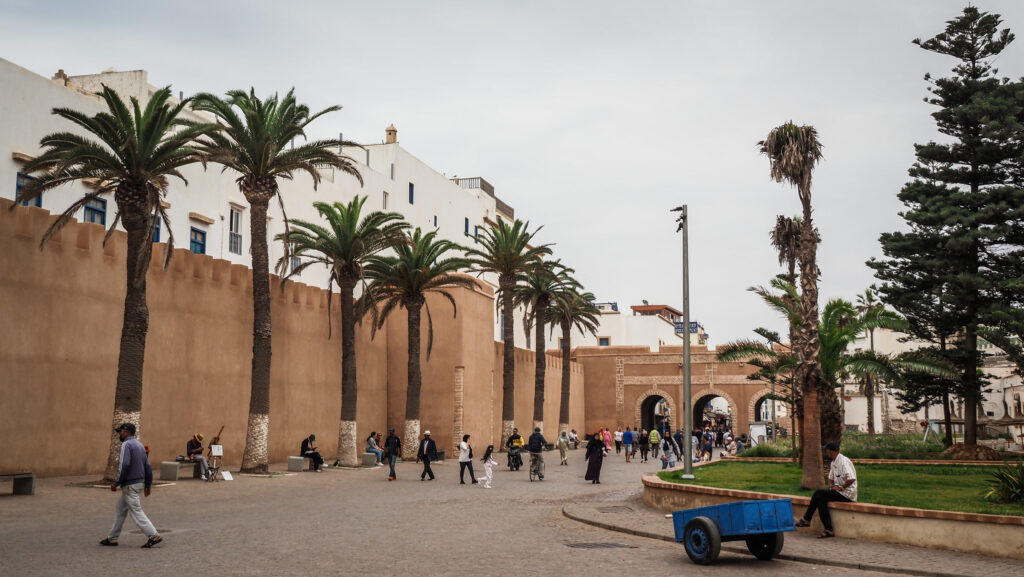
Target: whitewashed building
(209,215)
(647,325)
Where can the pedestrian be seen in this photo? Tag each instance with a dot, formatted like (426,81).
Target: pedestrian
(574,438)
(707,446)
(679,438)
(618,441)
(606,437)
(655,440)
(308,450)
(134,474)
(669,451)
(596,451)
(842,487)
(466,460)
(373,447)
(644,444)
(627,442)
(428,454)
(489,465)
(563,447)
(392,449)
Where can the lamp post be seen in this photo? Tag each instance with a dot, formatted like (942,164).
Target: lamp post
(687,408)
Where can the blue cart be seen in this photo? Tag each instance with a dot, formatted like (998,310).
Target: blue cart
(759,523)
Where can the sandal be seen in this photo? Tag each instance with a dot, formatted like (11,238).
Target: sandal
(802,523)
(153,541)
(826,534)
(108,543)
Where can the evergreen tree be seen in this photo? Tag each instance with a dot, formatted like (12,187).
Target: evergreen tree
(963,203)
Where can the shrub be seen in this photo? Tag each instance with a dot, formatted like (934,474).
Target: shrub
(1006,484)
(862,446)
(768,450)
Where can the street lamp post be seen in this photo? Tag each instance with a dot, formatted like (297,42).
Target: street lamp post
(687,408)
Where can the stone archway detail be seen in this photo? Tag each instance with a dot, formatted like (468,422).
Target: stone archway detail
(754,399)
(638,418)
(718,393)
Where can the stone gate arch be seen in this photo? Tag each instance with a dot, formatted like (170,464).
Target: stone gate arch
(718,392)
(754,399)
(637,410)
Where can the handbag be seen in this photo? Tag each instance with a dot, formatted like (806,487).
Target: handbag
(471,451)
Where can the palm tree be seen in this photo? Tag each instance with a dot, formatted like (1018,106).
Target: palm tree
(873,314)
(344,246)
(793,151)
(422,265)
(571,309)
(130,152)
(537,289)
(507,253)
(254,143)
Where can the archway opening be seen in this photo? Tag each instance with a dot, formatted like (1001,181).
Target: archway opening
(712,411)
(654,412)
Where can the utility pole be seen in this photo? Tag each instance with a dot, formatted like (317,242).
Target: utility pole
(687,409)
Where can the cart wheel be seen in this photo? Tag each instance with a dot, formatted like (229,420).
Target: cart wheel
(765,546)
(702,540)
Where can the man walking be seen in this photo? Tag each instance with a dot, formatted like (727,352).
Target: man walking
(536,448)
(627,440)
(842,486)
(392,449)
(427,453)
(134,475)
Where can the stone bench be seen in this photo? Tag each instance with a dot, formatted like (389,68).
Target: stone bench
(170,470)
(298,464)
(369,459)
(24,483)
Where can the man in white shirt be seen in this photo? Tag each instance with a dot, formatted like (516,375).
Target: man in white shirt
(842,486)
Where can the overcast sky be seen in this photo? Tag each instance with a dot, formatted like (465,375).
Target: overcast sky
(592,118)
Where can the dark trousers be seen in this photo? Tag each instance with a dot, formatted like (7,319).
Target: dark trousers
(618,447)
(316,458)
(426,470)
(643,452)
(819,502)
(463,465)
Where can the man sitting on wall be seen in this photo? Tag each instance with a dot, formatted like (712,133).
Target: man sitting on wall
(842,486)
(309,451)
(194,450)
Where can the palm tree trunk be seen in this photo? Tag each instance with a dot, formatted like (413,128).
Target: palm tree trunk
(563,412)
(506,284)
(869,394)
(808,372)
(831,410)
(256,457)
(134,327)
(411,441)
(540,364)
(347,437)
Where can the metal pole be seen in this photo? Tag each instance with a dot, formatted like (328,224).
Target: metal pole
(684,224)
(775,424)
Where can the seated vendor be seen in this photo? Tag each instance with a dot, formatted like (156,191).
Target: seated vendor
(194,450)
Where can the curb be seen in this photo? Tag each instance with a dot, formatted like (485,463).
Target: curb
(785,556)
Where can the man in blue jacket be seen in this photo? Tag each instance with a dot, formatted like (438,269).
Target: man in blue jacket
(134,476)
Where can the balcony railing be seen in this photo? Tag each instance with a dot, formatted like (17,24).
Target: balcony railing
(475,182)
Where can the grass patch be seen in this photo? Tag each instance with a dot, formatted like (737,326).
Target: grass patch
(939,487)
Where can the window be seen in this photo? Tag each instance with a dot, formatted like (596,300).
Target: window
(156,229)
(197,241)
(466,231)
(385,200)
(96,211)
(367,158)
(435,221)
(412,191)
(527,340)
(235,232)
(561,343)
(294,261)
(476,234)
(603,341)
(392,171)
(20,183)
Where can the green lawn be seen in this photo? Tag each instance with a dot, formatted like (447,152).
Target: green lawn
(942,487)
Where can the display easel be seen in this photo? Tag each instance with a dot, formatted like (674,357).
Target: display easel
(216,454)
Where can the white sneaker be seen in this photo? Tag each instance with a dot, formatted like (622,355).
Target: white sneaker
(203,477)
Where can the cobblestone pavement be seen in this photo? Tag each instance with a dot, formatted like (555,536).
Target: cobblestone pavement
(354,522)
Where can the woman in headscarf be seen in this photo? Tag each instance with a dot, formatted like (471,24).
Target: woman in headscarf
(595,458)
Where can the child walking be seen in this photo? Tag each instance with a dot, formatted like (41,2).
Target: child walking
(489,464)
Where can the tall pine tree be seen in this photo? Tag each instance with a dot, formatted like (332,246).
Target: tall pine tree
(961,204)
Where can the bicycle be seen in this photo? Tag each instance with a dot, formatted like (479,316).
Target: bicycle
(536,466)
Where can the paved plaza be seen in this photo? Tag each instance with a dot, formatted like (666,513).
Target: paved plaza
(355,522)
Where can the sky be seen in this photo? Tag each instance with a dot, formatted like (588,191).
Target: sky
(591,118)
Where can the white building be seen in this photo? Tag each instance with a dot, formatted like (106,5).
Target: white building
(648,325)
(209,215)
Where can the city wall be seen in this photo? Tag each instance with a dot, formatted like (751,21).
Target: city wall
(61,311)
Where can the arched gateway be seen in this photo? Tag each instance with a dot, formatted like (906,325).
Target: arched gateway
(625,386)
